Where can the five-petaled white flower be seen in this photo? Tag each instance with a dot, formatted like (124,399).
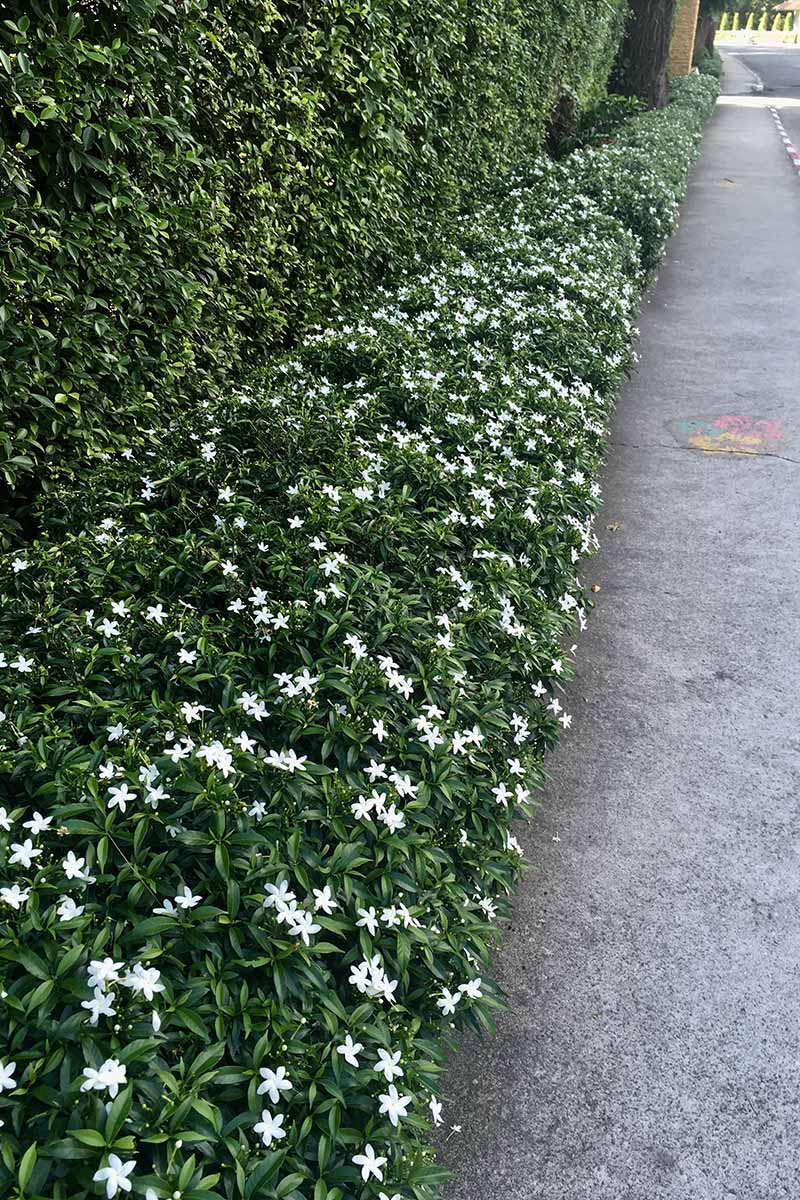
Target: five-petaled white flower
(15,896)
(393,1104)
(270,1128)
(323,900)
(387,1065)
(349,1050)
(112,1074)
(24,853)
(116,1175)
(120,797)
(448,1001)
(370,1163)
(144,980)
(274,1082)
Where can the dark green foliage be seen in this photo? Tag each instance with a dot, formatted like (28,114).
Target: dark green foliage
(394,515)
(187,186)
(601,121)
(709,64)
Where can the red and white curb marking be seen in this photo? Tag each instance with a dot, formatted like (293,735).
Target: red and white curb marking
(788,145)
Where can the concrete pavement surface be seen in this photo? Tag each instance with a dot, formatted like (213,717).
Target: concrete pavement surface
(652,1047)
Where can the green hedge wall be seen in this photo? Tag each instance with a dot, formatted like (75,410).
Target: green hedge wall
(187,185)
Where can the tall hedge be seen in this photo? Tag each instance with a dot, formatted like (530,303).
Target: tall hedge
(186,185)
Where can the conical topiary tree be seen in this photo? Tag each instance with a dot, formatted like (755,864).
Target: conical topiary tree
(788,23)
(735,24)
(751,21)
(777,23)
(762,24)
(725,21)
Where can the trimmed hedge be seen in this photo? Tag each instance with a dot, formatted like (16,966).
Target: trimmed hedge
(186,186)
(276,683)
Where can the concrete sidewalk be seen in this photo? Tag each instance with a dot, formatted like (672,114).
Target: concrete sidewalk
(652,1049)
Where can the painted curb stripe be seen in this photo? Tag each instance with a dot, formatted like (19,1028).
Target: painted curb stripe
(787,141)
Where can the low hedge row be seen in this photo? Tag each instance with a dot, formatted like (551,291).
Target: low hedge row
(276,681)
(187,185)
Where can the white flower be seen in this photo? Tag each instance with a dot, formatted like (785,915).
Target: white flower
(192,712)
(448,1002)
(103,971)
(375,770)
(185,899)
(323,900)
(68,909)
(144,980)
(370,1164)
(19,564)
(5,821)
(120,797)
(472,988)
(301,924)
(37,823)
(22,664)
(277,895)
(115,732)
(108,628)
(436,1110)
(112,1075)
(393,818)
(349,1050)
(100,1005)
(7,1075)
(274,1082)
(23,852)
(72,866)
(14,895)
(369,919)
(393,1104)
(387,1065)
(216,755)
(115,1175)
(270,1127)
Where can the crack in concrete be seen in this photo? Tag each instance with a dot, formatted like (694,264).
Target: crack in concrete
(701,450)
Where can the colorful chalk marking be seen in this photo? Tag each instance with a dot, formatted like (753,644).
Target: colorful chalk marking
(731,434)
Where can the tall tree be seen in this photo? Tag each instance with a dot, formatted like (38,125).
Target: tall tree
(710,12)
(641,67)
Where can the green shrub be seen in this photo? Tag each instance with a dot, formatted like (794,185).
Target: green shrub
(788,22)
(735,24)
(762,23)
(724,22)
(186,190)
(601,121)
(710,63)
(777,23)
(751,20)
(276,680)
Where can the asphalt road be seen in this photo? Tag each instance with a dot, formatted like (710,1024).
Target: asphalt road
(652,1046)
(779,68)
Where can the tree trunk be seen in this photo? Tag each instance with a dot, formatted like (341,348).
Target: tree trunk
(706,29)
(641,67)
